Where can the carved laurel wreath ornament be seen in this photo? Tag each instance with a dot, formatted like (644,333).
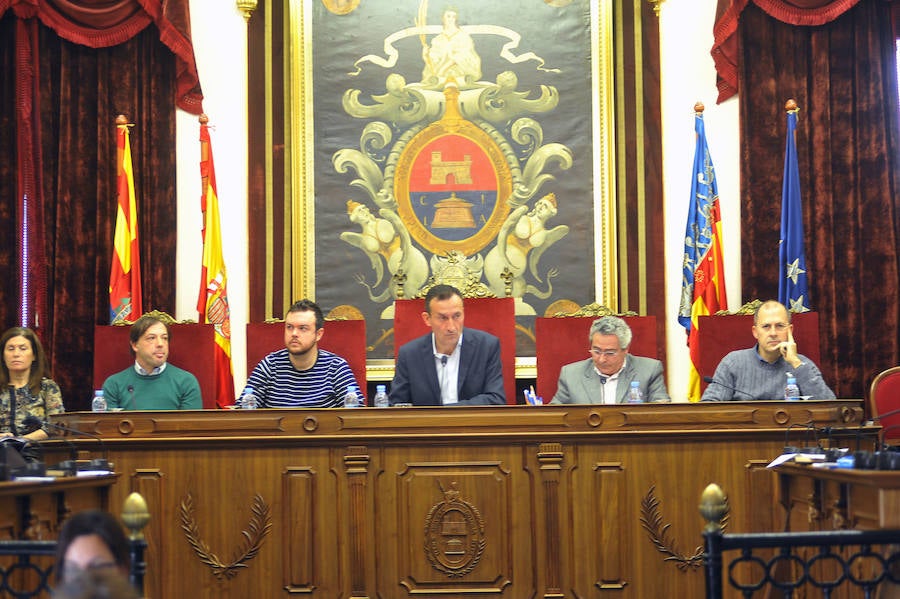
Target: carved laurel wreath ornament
(257,529)
(652,522)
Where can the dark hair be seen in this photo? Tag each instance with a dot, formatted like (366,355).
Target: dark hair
(440,293)
(93,522)
(307,305)
(38,367)
(140,327)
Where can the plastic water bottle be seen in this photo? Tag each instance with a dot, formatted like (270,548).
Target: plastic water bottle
(381,397)
(634,393)
(791,390)
(98,404)
(351,398)
(249,400)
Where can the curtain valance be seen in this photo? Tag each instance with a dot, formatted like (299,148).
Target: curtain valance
(103,23)
(795,12)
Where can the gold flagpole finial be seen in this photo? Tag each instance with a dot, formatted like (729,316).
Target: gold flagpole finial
(246,7)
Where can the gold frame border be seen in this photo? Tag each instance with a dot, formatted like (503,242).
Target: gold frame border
(299,155)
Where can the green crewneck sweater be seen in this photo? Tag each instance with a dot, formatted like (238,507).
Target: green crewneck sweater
(172,389)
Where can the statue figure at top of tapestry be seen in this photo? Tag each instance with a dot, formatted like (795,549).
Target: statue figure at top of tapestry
(451,56)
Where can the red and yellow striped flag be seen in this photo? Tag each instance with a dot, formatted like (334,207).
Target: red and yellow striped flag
(125,274)
(213,301)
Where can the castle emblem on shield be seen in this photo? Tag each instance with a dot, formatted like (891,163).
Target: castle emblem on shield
(452,184)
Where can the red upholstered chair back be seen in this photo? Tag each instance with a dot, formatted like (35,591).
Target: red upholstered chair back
(561,341)
(722,334)
(346,338)
(884,396)
(494,315)
(191,347)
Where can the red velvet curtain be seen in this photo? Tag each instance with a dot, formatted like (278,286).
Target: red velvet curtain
(843,75)
(795,12)
(94,60)
(104,23)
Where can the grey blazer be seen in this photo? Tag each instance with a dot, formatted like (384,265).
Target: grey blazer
(579,382)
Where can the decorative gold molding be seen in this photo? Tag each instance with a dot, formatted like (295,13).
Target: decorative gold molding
(159,315)
(593,309)
(246,7)
(657,4)
(259,526)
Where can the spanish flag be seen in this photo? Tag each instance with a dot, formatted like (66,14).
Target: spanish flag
(125,275)
(213,302)
(703,271)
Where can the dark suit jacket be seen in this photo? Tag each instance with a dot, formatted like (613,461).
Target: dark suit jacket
(480,379)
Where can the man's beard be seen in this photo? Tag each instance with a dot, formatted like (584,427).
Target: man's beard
(302,352)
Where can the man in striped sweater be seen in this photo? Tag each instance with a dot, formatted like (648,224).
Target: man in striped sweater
(301,375)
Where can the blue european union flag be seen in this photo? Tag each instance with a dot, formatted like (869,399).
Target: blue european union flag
(792,287)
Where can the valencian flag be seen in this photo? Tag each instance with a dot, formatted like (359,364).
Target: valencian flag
(792,289)
(125,274)
(703,278)
(213,302)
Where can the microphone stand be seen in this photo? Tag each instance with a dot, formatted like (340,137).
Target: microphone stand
(710,380)
(70,466)
(96,463)
(12,410)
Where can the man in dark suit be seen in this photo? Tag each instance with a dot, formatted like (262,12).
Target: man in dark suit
(606,376)
(447,366)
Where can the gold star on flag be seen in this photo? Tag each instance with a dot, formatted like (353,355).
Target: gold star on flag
(797,305)
(794,270)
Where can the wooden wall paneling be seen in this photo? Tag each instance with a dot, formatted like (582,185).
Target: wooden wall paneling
(550,458)
(440,501)
(356,463)
(298,507)
(611,494)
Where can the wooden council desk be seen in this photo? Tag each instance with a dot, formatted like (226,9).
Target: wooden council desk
(834,499)
(499,501)
(34,511)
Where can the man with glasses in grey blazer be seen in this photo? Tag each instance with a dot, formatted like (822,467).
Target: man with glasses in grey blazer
(606,376)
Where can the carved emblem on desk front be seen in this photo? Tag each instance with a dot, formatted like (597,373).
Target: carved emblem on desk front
(454,534)
(257,530)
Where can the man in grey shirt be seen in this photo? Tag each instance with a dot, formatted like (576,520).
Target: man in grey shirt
(761,372)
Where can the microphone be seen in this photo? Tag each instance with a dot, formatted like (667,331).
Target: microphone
(713,381)
(443,360)
(12,410)
(96,463)
(808,427)
(131,397)
(70,466)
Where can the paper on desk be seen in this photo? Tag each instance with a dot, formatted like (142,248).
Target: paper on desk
(787,457)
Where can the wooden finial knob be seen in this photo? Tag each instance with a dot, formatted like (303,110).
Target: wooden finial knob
(204,119)
(790,105)
(699,107)
(121,120)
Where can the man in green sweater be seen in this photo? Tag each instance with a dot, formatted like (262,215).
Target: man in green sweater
(152,384)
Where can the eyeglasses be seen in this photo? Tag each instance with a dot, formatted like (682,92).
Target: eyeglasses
(778,326)
(608,353)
